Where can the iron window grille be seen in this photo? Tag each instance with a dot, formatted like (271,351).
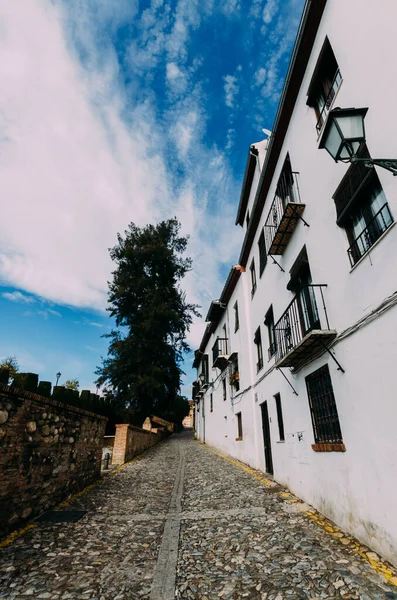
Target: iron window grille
(211,403)
(280,420)
(269,322)
(324,413)
(258,343)
(236,318)
(262,253)
(380,222)
(224,389)
(239,426)
(325,84)
(253,278)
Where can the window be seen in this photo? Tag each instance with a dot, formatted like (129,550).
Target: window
(262,253)
(239,427)
(269,322)
(236,319)
(211,403)
(362,208)
(253,278)
(323,409)
(224,388)
(324,85)
(247,219)
(258,343)
(234,378)
(280,417)
(204,369)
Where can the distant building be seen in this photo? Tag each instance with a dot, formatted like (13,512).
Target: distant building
(188,421)
(296,369)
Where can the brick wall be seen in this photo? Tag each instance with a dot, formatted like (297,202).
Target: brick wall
(48,451)
(131,441)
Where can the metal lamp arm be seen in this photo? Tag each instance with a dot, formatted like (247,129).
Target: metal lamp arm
(386,163)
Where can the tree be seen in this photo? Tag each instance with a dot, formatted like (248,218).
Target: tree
(142,372)
(72,384)
(11,364)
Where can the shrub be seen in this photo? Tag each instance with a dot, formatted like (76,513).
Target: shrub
(44,388)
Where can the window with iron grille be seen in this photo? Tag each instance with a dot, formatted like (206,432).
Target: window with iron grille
(262,253)
(239,426)
(362,208)
(323,408)
(253,278)
(211,403)
(280,417)
(236,319)
(224,388)
(269,322)
(324,85)
(258,343)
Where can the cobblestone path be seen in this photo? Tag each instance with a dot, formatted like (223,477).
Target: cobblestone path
(182,522)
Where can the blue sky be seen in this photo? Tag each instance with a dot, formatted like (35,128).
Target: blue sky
(114,112)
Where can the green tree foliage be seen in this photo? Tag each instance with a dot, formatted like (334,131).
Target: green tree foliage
(141,374)
(177,410)
(72,384)
(11,364)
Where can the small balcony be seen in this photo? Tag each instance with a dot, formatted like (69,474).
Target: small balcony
(303,331)
(367,238)
(220,353)
(284,214)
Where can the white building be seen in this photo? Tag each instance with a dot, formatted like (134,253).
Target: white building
(313,337)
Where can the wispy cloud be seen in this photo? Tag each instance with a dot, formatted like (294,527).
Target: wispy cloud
(18,297)
(48,312)
(231,89)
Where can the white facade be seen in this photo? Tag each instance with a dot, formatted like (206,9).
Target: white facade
(352,481)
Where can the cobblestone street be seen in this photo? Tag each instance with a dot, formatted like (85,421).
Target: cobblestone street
(181,521)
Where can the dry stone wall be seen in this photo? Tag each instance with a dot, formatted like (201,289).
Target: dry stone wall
(48,451)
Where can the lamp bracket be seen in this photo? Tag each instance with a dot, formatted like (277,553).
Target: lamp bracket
(386,163)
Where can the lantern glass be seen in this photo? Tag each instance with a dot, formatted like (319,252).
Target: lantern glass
(344,132)
(351,125)
(333,141)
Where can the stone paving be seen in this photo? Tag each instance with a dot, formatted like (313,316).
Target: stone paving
(181,522)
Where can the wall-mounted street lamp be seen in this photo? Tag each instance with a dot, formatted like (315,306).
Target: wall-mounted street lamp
(343,134)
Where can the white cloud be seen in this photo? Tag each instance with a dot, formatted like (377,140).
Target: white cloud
(48,311)
(18,297)
(231,89)
(74,174)
(173,71)
(260,76)
(269,11)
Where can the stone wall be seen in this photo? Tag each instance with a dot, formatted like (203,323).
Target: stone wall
(131,441)
(48,451)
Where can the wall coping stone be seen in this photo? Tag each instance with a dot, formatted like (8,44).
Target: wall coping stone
(135,428)
(13,391)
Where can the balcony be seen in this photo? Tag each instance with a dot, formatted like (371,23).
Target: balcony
(367,238)
(284,214)
(303,331)
(220,353)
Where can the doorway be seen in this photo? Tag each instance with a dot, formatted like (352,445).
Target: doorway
(266,438)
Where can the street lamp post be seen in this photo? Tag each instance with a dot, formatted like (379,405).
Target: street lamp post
(343,134)
(58,376)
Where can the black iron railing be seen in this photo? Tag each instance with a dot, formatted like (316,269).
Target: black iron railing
(328,101)
(367,238)
(287,191)
(219,348)
(307,311)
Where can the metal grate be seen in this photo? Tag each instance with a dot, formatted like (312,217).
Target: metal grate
(323,407)
(61,516)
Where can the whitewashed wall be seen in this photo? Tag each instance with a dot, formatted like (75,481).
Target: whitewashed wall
(358,488)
